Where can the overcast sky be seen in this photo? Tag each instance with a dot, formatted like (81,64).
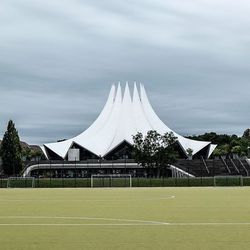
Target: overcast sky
(58,59)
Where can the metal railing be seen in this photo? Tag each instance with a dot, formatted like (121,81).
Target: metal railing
(205,164)
(228,169)
(231,160)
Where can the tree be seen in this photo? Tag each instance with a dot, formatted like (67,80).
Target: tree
(215,138)
(236,150)
(28,153)
(155,150)
(246,134)
(11,151)
(225,150)
(217,152)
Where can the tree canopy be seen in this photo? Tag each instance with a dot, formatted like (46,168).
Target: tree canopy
(10,151)
(155,150)
(227,144)
(29,153)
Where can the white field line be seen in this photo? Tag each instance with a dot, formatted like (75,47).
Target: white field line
(124,222)
(67,224)
(152,199)
(208,223)
(128,224)
(142,222)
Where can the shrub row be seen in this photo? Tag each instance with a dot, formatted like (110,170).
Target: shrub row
(124,182)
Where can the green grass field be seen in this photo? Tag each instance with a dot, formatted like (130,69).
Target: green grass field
(125,218)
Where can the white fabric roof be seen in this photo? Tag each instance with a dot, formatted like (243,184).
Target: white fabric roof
(121,118)
(211,149)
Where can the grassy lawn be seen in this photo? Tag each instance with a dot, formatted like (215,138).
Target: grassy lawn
(125,218)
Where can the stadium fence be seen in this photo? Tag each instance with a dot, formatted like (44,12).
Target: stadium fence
(136,182)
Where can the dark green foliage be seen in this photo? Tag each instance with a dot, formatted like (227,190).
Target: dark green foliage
(11,151)
(227,144)
(246,134)
(215,138)
(155,150)
(31,153)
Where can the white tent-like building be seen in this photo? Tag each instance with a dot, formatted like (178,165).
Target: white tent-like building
(122,117)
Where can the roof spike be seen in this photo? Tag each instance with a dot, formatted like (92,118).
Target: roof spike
(144,96)
(112,92)
(135,93)
(118,96)
(126,86)
(126,96)
(141,90)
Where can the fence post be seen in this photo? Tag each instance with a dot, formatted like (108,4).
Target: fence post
(201,174)
(75,172)
(38,181)
(126,169)
(213,167)
(62,175)
(163,179)
(150,182)
(50,173)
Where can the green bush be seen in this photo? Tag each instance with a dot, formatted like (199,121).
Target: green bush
(124,182)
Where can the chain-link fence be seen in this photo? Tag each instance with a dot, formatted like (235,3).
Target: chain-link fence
(124,182)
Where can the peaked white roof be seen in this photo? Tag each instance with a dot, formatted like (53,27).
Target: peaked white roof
(121,118)
(211,149)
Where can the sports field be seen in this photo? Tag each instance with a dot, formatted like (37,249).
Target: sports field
(125,218)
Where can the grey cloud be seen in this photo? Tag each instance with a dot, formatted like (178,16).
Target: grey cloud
(59,58)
